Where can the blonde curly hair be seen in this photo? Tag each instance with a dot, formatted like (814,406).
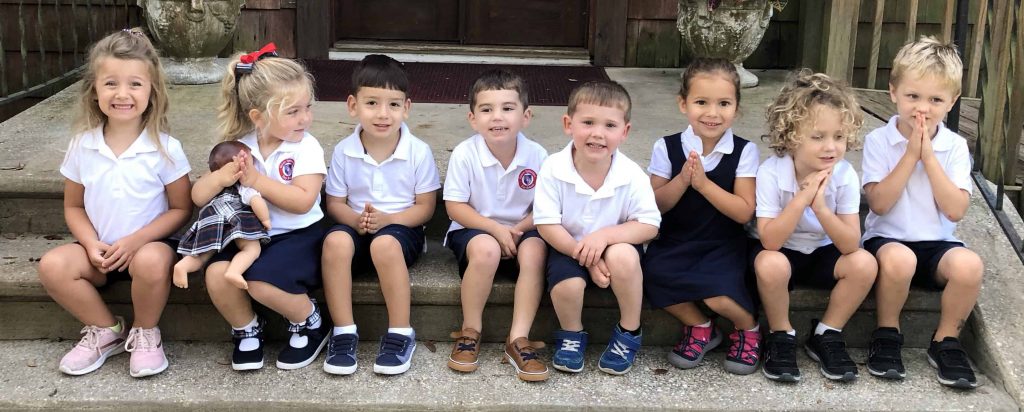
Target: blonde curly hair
(795,103)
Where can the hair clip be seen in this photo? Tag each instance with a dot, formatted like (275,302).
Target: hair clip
(247,60)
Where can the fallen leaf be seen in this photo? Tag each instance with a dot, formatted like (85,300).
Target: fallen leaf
(53,392)
(659,371)
(430,346)
(18,166)
(53,237)
(223,361)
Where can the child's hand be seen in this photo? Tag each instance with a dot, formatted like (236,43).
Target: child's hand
(507,238)
(237,280)
(228,174)
(686,176)
(697,177)
(373,220)
(95,250)
(599,274)
(121,253)
(914,142)
(249,174)
(926,143)
(590,249)
(809,187)
(818,204)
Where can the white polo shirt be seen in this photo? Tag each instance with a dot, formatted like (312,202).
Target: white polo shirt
(564,198)
(777,186)
(392,185)
(662,166)
(123,194)
(476,177)
(915,216)
(288,161)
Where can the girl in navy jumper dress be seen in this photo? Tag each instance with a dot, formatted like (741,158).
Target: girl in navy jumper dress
(703,180)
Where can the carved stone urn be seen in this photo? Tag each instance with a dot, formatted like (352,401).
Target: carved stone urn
(189,34)
(729,29)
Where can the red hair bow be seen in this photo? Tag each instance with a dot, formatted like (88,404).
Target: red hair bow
(270,49)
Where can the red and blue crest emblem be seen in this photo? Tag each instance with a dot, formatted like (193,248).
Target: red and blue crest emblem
(527,179)
(285,169)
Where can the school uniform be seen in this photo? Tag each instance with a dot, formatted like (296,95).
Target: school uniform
(810,251)
(564,198)
(700,252)
(390,186)
(504,195)
(291,259)
(915,220)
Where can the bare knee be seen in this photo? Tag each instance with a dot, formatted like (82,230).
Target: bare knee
(896,263)
(772,268)
(962,266)
(568,290)
(152,263)
(261,290)
(859,267)
(385,248)
(718,304)
(338,245)
(214,276)
(54,269)
(484,251)
(623,262)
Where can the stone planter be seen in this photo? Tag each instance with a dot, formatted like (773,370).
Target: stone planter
(731,31)
(189,34)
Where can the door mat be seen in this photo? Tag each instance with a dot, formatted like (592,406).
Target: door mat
(451,82)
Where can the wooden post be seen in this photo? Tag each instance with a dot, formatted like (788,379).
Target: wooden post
(947,20)
(995,96)
(911,20)
(313,36)
(609,32)
(976,49)
(841,37)
(876,42)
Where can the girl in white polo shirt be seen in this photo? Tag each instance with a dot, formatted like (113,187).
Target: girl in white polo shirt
(267,104)
(808,204)
(125,193)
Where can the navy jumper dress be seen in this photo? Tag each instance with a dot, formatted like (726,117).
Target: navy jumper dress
(700,253)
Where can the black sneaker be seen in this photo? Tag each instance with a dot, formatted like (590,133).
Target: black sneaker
(293,357)
(884,357)
(780,358)
(954,369)
(250,359)
(829,350)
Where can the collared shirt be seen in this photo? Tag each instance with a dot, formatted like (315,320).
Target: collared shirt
(288,161)
(390,186)
(777,186)
(476,177)
(564,198)
(915,216)
(123,193)
(662,166)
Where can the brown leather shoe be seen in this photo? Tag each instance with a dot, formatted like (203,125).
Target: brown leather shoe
(522,354)
(466,351)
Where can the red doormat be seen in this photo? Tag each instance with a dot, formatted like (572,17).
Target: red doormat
(450,82)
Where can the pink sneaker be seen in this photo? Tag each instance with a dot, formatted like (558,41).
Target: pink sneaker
(147,352)
(96,346)
(744,352)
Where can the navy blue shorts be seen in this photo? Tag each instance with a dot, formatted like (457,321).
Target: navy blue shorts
(562,267)
(411,240)
(290,261)
(458,240)
(817,269)
(928,253)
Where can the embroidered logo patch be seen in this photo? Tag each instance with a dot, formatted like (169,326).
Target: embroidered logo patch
(527,179)
(285,169)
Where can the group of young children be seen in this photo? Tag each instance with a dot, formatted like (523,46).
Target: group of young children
(572,220)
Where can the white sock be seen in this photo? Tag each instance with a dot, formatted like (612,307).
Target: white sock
(757,327)
(297,340)
(249,344)
(401,331)
(316,324)
(338,330)
(822,327)
(704,325)
(791,332)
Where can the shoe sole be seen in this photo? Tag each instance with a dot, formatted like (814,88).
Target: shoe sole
(340,370)
(462,367)
(613,371)
(888,374)
(845,377)
(524,375)
(683,363)
(303,364)
(395,370)
(959,383)
(564,368)
(739,368)
(114,350)
(149,372)
(784,377)
(247,366)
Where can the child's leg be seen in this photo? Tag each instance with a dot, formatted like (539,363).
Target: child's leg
(773,272)
(896,267)
(248,252)
(727,307)
(189,264)
(394,279)
(855,274)
(627,282)
(567,299)
(296,307)
(71,281)
(232,303)
(483,255)
(532,254)
(151,271)
(336,264)
(688,313)
(961,270)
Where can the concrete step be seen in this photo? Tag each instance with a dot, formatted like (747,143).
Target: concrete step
(199,378)
(436,300)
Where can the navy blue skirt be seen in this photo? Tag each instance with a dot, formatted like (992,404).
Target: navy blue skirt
(290,262)
(679,272)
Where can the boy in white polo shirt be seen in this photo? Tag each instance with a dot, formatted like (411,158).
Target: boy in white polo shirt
(381,189)
(595,207)
(918,185)
(488,193)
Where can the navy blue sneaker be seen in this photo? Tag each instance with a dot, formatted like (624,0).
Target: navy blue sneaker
(569,355)
(618,357)
(395,354)
(341,354)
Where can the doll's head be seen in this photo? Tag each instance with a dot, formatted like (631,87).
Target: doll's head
(224,153)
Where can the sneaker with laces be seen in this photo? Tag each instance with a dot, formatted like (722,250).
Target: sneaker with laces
(341,354)
(950,361)
(147,349)
(571,347)
(466,350)
(97,344)
(696,341)
(304,345)
(744,352)
(522,355)
(780,358)
(618,357)
(246,360)
(829,350)
(395,354)
(884,357)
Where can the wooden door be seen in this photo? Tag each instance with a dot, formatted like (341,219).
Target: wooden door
(526,22)
(416,20)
